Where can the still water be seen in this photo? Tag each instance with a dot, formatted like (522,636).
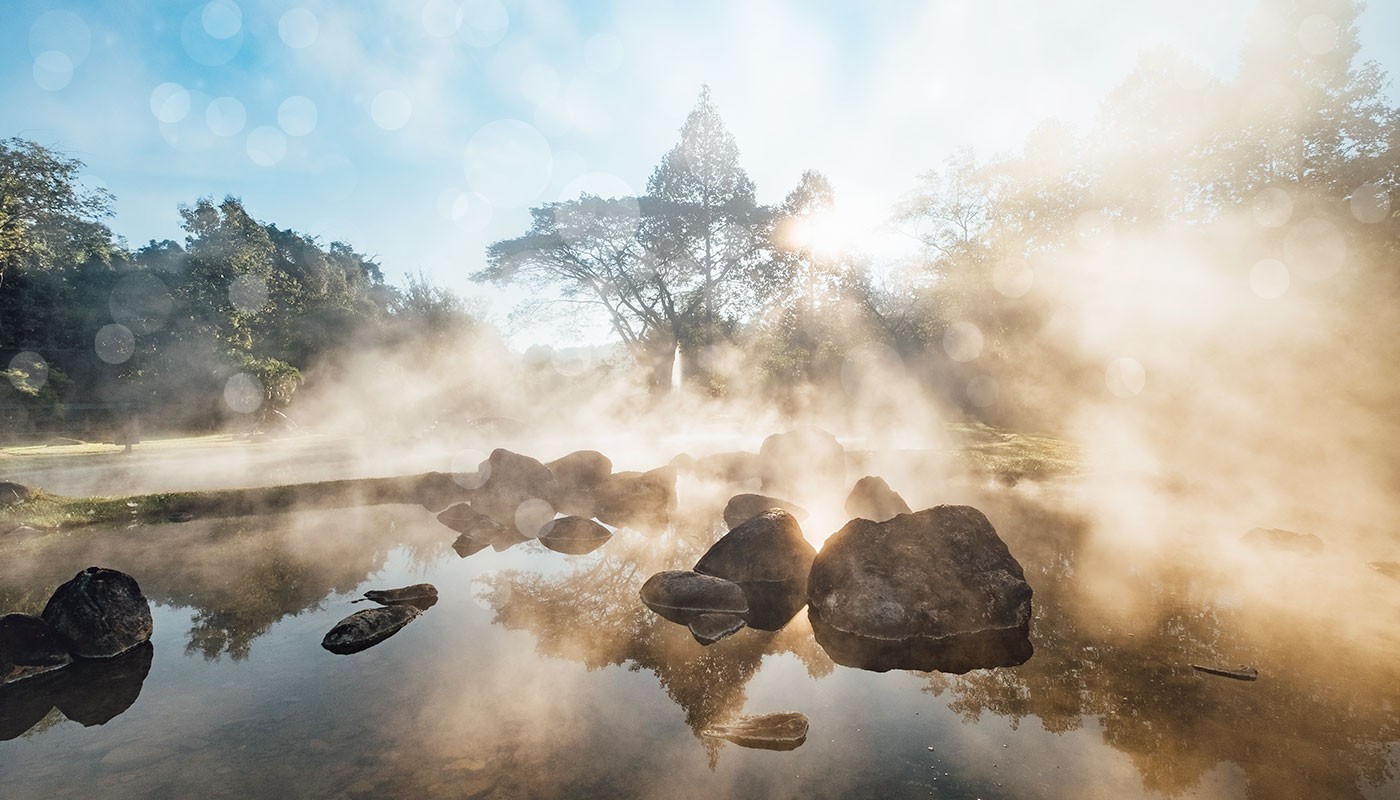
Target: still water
(540,674)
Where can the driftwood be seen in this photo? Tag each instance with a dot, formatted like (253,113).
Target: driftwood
(1242,673)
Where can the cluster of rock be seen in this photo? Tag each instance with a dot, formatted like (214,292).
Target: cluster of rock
(933,590)
(87,653)
(365,629)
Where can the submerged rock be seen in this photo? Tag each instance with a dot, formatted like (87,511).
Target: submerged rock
(365,629)
(742,507)
(12,493)
(934,590)
(422,596)
(710,628)
(873,499)
(785,731)
(574,535)
(511,479)
(683,596)
(1278,539)
(579,475)
(802,463)
(642,501)
(29,647)
(100,613)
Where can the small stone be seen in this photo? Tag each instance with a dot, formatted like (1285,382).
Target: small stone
(683,596)
(420,595)
(710,628)
(365,629)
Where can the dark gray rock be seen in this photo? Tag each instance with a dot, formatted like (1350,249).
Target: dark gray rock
(742,507)
(803,463)
(477,530)
(100,613)
(13,493)
(768,547)
(365,629)
(1278,539)
(710,628)
(873,499)
(422,596)
(579,475)
(436,491)
(934,590)
(642,501)
(509,480)
(29,647)
(574,535)
(682,596)
(785,731)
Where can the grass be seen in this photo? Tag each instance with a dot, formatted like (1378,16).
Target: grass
(1011,456)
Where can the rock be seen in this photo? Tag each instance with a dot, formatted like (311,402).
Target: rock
(710,628)
(29,647)
(683,596)
(743,506)
(934,590)
(422,596)
(365,629)
(436,491)
(768,547)
(802,463)
(579,476)
(95,692)
(180,516)
(1277,539)
(574,535)
(12,493)
(100,613)
(511,479)
(478,530)
(786,731)
(873,499)
(642,501)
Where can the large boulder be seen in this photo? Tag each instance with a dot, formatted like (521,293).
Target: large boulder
(742,507)
(100,613)
(804,463)
(579,476)
(785,731)
(29,647)
(365,629)
(510,479)
(873,499)
(682,596)
(642,501)
(934,590)
(574,535)
(770,559)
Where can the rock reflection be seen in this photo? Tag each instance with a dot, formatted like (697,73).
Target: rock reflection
(951,654)
(88,691)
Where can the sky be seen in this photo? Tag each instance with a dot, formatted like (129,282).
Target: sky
(421,131)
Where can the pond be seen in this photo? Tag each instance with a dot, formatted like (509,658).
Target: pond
(541,674)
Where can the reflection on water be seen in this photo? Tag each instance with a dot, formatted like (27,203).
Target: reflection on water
(542,674)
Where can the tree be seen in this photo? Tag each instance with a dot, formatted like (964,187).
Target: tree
(46,216)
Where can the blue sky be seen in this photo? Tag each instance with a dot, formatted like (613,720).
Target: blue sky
(419,131)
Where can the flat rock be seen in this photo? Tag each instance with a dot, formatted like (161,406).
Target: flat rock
(873,499)
(511,479)
(785,731)
(100,613)
(1279,539)
(681,596)
(642,501)
(420,595)
(742,507)
(574,535)
(29,647)
(937,589)
(579,475)
(710,628)
(365,629)
(802,463)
